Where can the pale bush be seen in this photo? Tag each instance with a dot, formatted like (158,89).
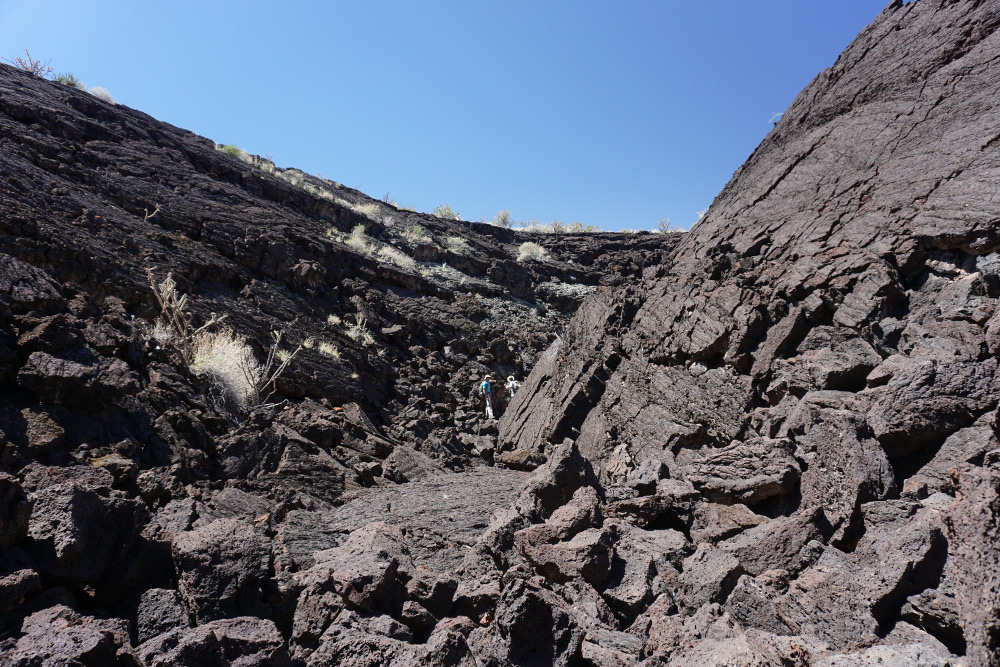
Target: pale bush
(102,94)
(358,332)
(416,234)
(359,240)
(666,226)
(456,244)
(446,212)
(502,219)
(369,210)
(328,350)
(397,257)
(531,252)
(230,363)
(333,319)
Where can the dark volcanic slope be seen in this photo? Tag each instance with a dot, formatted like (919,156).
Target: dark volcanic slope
(773,444)
(139,503)
(818,362)
(441,303)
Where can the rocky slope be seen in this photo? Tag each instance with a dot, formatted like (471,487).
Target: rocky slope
(770,442)
(816,367)
(131,471)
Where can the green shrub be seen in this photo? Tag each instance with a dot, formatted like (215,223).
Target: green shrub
(502,219)
(416,234)
(234,151)
(531,252)
(68,79)
(446,212)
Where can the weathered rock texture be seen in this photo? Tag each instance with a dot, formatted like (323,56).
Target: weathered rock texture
(773,442)
(821,349)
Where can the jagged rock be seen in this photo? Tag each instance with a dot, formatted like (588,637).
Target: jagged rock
(929,399)
(15,586)
(787,543)
(821,345)
(221,569)
(644,565)
(519,459)
(369,570)
(673,503)
(477,598)
(253,642)
(845,467)
(160,611)
(552,485)
(78,525)
(708,576)
(964,446)
(364,640)
(972,527)
(434,593)
(936,611)
(745,472)
(570,543)
(60,636)
(233,503)
(532,627)
(15,510)
(714,522)
(829,358)
(447,647)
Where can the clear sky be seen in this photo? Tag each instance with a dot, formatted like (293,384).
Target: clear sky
(608,113)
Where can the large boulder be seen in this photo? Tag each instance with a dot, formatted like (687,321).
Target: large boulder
(222,569)
(79,526)
(244,641)
(973,526)
(60,636)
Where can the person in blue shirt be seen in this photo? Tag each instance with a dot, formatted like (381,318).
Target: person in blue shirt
(486,389)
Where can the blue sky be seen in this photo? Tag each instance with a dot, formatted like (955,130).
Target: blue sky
(613,114)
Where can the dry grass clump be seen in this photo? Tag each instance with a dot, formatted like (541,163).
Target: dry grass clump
(358,332)
(529,251)
(456,244)
(329,350)
(231,365)
(360,241)
(416,234)
(239,381)
(397,257)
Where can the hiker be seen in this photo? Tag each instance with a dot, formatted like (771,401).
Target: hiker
(512,385)
(486,389)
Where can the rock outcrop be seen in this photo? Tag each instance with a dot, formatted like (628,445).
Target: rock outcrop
(818,355)
(770,441)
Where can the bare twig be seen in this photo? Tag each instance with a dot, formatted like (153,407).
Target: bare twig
(30,65)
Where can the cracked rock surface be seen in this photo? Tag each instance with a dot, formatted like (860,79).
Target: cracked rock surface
(769,441)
